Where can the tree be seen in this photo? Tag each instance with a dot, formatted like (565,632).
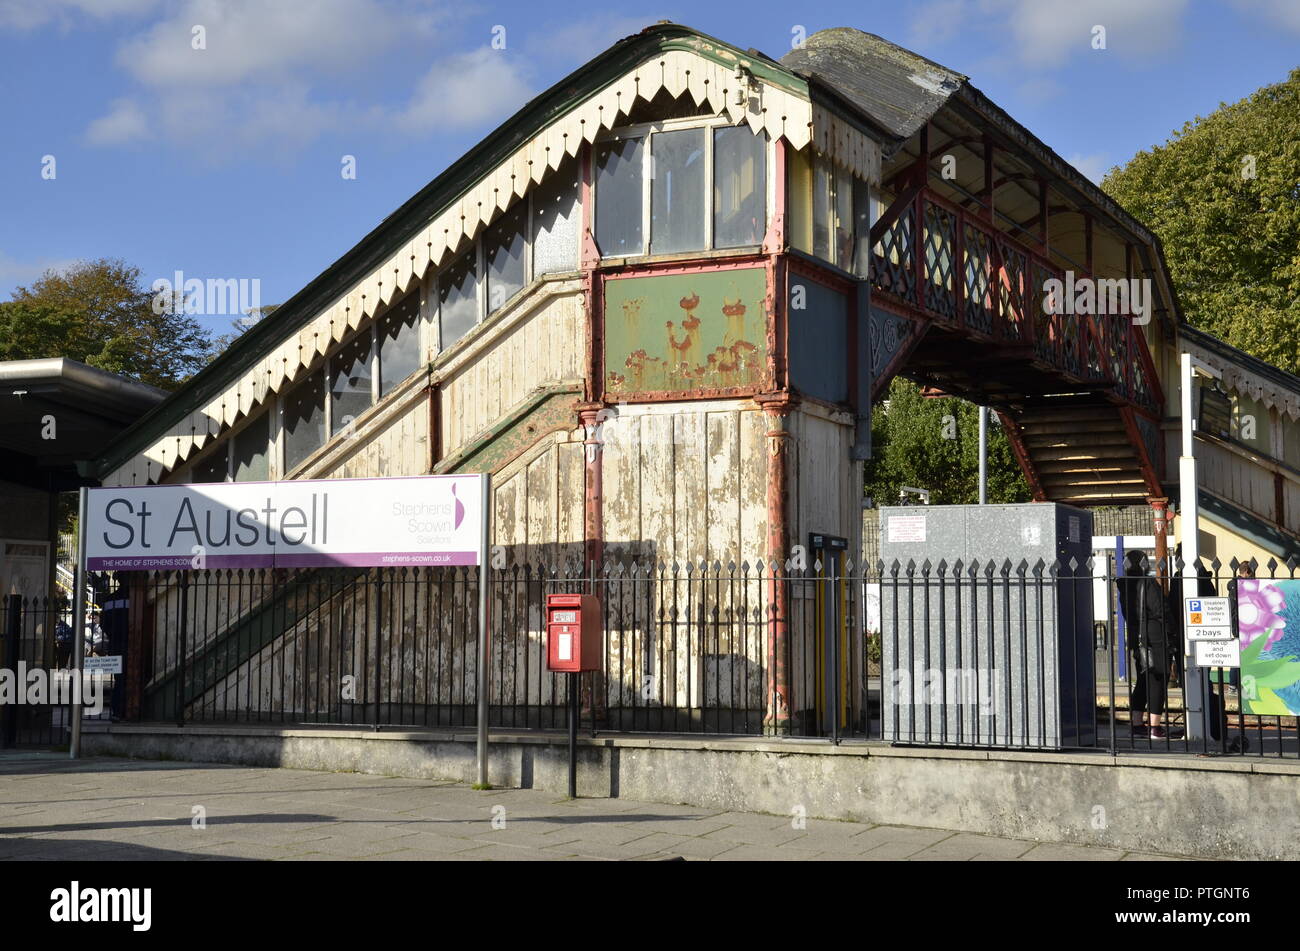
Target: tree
(242,325)
(100,313)
(934,444)
(1223,195)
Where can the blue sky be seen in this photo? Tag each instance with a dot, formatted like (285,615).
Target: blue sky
(225,162)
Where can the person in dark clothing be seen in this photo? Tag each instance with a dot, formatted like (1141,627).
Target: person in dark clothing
(115,622)
(62,644)
(1145,609)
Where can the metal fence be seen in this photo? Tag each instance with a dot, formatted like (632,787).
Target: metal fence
(36,679)
(987,654)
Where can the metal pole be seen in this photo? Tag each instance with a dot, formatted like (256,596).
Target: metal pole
(573,735)
(183,638)
(984,455)
(78,626)
(376,656)
(484,618)
(1188,537)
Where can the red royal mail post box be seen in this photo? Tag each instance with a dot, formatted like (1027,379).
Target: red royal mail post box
(573,632)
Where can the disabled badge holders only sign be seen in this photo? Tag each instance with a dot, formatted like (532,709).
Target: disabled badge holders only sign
(1207,619)
(1209,632)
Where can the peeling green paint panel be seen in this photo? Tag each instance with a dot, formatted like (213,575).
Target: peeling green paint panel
(682,332)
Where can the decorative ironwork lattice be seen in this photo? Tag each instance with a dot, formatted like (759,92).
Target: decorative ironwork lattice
(1045,323)
(893,258)
(1119,356)
(938,240)
(978,274)
(1013,291)
(1071,328)
(1094,331)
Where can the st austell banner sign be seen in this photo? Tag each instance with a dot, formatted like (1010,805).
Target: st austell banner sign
(421,520)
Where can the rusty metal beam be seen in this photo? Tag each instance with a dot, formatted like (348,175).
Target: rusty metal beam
(1022,455)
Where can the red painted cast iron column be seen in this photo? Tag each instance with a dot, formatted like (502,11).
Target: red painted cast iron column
(1160,523)
(777,409)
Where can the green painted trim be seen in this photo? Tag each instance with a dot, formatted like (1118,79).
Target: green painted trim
(441,193)
(535,404)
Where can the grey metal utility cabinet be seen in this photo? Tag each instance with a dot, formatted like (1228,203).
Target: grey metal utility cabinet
(995,657)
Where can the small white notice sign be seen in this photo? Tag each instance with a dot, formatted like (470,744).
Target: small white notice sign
(111,664)
(1074,528)
(1218,653)
(906,528)
(565,648)
(1207,619)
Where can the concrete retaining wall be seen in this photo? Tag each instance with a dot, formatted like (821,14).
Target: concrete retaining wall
(1210,807)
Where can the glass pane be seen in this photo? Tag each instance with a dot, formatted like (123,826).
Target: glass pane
(821,199)
(677,191)
(213,467)
(556,219)
(350,381)
(302,411)
(458,299)
(399,343)
(504,249)
(799,189)
(618,197)
(252,461)
(843,219)
(862,222)
(739,187)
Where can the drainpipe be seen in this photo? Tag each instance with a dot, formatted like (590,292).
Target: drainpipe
(592,416)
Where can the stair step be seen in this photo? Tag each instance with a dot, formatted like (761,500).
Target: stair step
(1101,455)
(1070,414)
(1101,498)
(1076,441)
(1082,425)
(1079,478)
(1116,467)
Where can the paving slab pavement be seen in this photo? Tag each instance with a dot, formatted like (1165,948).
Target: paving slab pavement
(112,809)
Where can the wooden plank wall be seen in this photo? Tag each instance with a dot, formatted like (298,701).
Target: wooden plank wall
(397,446)
(1235,478)
(825,484)
(686,482)
(545,343)
(538,503)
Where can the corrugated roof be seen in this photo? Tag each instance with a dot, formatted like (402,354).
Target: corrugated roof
(896,88)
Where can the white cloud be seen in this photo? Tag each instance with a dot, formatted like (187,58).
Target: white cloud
(1045,34)
(124,123)
(275,77)
(1093,167)
(14,273)
(1284,13)
(466,90)
(1048,31)
(31,14)
(251,40)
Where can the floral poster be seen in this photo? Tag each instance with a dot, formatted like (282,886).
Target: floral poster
(1268,615)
